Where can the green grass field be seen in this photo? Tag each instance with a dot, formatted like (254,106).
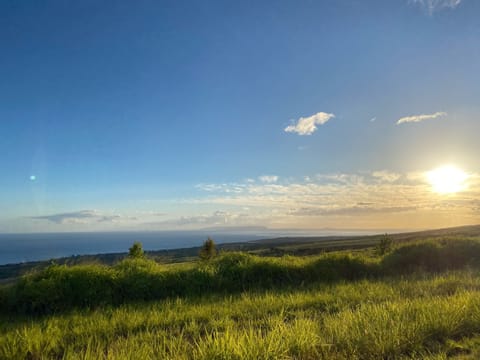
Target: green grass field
(420,301)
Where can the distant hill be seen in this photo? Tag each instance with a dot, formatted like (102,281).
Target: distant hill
(470,230)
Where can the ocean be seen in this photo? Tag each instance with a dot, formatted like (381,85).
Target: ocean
(17,248)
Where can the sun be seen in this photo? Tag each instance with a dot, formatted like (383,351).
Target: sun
(447,179)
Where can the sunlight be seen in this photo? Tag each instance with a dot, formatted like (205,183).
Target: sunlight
(447,179)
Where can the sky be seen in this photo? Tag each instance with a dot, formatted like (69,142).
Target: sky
(184,115)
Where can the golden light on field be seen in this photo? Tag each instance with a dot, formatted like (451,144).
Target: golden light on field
(447,179)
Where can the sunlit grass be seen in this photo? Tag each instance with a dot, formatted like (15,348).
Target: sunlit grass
(362,320)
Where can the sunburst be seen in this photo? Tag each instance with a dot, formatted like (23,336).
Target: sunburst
(447,179)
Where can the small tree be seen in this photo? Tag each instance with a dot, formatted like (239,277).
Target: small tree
(384,246)
(208,250)
(136,251)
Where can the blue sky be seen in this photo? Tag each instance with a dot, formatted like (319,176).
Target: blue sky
(190,114)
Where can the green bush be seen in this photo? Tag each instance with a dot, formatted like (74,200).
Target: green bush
(407,259)
(335,267)
(134,279)
(58,288)
(136,251)
(384,246)
(433,256)
(459,253)
(208,250)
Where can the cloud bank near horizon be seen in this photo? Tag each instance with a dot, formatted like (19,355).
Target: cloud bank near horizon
(367,198)
(375,199)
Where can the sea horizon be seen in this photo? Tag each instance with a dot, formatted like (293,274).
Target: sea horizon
(27,247)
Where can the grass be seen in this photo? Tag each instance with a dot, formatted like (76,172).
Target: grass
(335,306)
(389,318)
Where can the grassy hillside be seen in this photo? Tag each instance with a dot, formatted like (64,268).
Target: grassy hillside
(421,300)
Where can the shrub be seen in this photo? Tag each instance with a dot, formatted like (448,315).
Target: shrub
(433,256)
(384,246)
(335,267)
(134,279)
(459,253)
(241,271)
(58,288)
(208,250)
(422,256)
(136,251)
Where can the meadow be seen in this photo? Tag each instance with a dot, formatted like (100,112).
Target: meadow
(420,300)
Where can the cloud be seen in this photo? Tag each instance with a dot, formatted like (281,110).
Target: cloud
(387,176)
(380,194)
(365,200)
(308,125)
(63,218)
(419,118)
(82,216)
(218,218)
(435,5)
(360,209)
(269,179)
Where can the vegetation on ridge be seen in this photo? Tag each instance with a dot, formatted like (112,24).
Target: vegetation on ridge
(60,287)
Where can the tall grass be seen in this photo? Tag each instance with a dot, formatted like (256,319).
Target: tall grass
(370,319)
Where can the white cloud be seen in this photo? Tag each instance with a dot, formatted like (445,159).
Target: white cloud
(219,218)
(385,175)
(419,118)
(435,5)
(359,209)
(268,179)
(308,125)
(82,217)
